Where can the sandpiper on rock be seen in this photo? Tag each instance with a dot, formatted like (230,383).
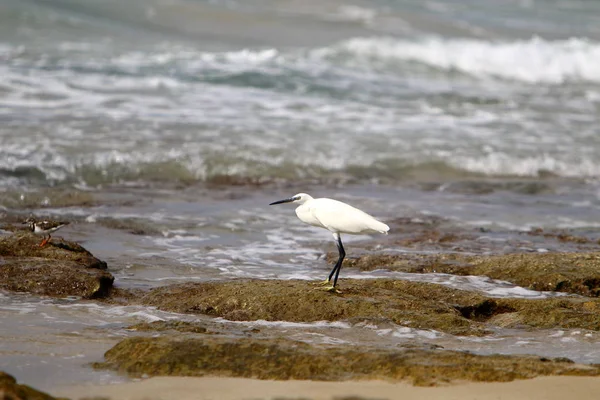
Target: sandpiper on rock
(44,227)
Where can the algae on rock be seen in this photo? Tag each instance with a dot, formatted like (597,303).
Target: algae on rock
(414,304)
(11,390)
(285,359)
(59,269)
(561,272)
(404,303)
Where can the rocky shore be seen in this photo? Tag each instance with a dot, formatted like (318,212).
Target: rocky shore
(179,348)
(59,269)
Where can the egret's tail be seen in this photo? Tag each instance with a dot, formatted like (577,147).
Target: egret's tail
(382,228)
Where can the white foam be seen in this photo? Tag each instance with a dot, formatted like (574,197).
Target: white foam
(193,61)
(355,14)
(170,85)
(404,332)
(313,337)
(287,324)
(483,284)
(499,163)
(533,60)
(105,315)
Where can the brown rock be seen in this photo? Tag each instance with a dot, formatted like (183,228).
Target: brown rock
(285,359)
(132,225)
(47,198)
(161,326)
(11,390)
(59,269)
(562,272)
(405,303)
(413,304)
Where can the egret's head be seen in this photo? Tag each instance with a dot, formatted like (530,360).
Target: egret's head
(299,198)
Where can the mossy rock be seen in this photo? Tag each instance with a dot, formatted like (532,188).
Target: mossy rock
(161,326)
(135,226)
(414,304)
(404,303)
(59,269)
(281,359)
(55,198)
(11,390)
(561,272)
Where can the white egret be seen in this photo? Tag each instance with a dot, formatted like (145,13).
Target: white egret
(336,217)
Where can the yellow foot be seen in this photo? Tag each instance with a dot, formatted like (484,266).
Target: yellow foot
(332,289)
(322,283)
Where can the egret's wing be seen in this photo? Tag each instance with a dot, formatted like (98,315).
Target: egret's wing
(341,217)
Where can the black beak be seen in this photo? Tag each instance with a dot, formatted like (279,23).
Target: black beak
(282,201)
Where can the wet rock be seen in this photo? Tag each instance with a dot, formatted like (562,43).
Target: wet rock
(220,180)
(46,198)
(11,390)
(132,225)
(371,262)
(433,237)
(413,304)
(562,272)
(285,359)
(564,313)
(562,236)
(424,231)
(528,187)
(59,269)
(417,221)
(161,326)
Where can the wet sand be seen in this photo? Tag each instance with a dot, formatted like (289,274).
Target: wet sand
(165,388)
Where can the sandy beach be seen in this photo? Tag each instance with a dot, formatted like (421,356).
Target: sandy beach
(165,388)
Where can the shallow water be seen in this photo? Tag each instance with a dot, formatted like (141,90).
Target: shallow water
(52,342)
(185,119)
(244,238)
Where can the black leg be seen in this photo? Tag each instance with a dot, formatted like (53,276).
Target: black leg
(338,264)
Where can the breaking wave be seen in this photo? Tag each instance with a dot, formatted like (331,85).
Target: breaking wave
(233,172)
(534,60)
(95,114)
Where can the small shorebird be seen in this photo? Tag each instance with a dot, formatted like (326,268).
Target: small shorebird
(44,227)
(336,217)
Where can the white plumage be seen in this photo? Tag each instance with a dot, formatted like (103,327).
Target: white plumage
(336,217)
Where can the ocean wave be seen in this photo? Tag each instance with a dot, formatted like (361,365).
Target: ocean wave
(94,115)
(534,60)
(364,69)
(222,171)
